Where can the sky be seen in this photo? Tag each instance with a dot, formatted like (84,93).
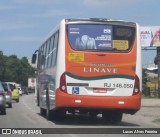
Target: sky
(25,23)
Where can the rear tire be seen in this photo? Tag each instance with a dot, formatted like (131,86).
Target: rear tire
(59,114)
(3,111)
(10,105)
(112,116)
(37,97)
(107,116)
(42,111)
(93,115)
(49,114)
(117,116)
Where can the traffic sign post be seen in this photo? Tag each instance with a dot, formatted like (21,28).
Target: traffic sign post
(158,64)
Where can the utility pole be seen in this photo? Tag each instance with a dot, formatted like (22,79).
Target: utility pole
(158,64)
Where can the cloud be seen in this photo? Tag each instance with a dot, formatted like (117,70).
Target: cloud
(15,25)
(109,3)
(52,13)
(20,39)
(95,2)
(7,7)
(28,8)
(36,1)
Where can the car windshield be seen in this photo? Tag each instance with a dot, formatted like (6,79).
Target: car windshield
(5,86)
(101,37)
(1,87)
(12,86)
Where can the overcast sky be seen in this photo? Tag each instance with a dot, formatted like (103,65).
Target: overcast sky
(25,23)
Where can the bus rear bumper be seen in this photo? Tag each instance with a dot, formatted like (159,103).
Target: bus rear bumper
(129,104)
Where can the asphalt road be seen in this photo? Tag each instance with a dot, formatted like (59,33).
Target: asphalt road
(25,114)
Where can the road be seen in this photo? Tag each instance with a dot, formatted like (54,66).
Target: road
(25,114)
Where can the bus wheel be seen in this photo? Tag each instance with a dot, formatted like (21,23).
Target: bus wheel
(117,117)
(38,102)
(59,114)
(10,105)
(112,116)
(93,114)
(49,114)
(42,111)
(107,116)
(3,111)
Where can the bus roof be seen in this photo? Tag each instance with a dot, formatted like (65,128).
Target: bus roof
(84,20)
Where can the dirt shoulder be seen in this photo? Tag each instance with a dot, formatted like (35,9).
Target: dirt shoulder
(151,102)
(151,110)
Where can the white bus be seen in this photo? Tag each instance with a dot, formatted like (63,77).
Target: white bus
(90,66)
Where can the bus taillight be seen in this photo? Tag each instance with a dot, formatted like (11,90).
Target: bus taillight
(62,86)
(136,86)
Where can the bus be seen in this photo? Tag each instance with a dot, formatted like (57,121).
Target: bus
(90,66)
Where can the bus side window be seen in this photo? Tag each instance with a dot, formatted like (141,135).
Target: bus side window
(55,49)
(39,56)
(51,51)
(42,57)
(47,53)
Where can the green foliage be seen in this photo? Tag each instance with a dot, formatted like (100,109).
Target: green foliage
(15,69)
(145,76)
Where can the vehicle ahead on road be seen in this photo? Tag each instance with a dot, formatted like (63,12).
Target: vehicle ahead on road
(25,90)
(90,66)
(18,86)
(2,100)
(31,84)
(8,94)
(20,90)
(15,92)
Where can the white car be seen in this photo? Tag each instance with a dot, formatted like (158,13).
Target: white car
(20,90)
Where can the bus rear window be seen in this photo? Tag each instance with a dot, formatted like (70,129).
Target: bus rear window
(101,37)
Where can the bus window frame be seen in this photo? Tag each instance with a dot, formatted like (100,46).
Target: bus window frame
(104,51)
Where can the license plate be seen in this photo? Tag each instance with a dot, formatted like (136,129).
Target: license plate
(99,90)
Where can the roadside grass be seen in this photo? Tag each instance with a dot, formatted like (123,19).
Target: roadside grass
(148,97)
(157,121)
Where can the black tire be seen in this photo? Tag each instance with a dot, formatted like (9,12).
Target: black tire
(107,116)
(3,111)
(112,116)
(59,114)
(38,101)
(17,100)
(42,111)
(49,114)
(117,117)
(10,105)
(93,115)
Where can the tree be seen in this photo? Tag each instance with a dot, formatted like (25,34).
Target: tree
(14,69)
(145,76)
(2,65)
(26,71)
